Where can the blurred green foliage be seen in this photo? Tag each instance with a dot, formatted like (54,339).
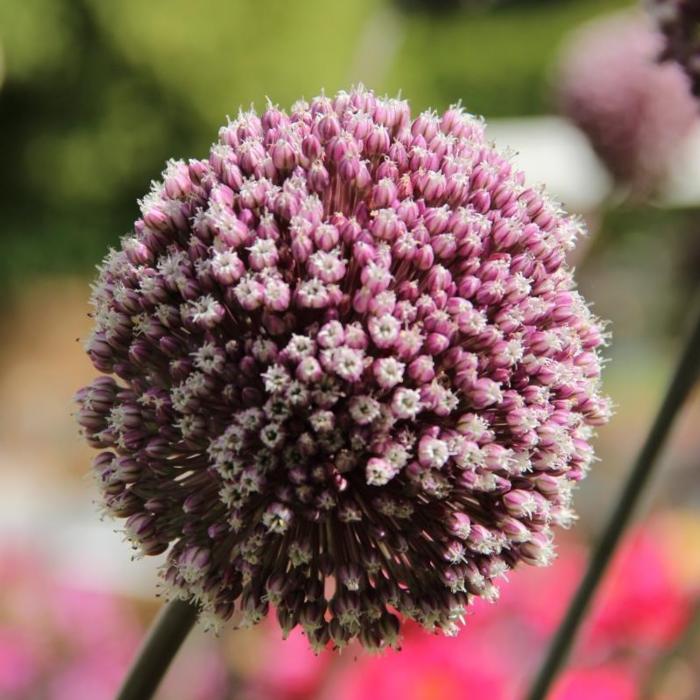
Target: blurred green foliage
(497,61)
(97,94)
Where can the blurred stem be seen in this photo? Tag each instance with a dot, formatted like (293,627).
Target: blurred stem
(377,46)
(679,389)
(595,245)
(167,633)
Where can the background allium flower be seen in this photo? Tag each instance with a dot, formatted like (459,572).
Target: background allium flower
(353,375)
(679,20)
(634,110)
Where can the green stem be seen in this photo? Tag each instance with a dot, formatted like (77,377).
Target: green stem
(680,387)
(167,633)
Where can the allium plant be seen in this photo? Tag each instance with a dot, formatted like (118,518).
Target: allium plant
(346,372)
(634,110)
(679,20)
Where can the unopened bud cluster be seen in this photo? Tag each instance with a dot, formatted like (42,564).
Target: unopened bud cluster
(348,375)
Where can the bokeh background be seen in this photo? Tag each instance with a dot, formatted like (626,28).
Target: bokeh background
(95,95)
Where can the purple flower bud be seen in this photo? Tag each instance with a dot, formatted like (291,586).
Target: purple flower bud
(350,323)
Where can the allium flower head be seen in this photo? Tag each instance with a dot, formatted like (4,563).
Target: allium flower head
(353,376)
(679,20)
(634,110)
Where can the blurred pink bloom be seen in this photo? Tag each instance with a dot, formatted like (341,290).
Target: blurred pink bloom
(18,664)
(640,605)
(59,641)
(603,683)
(95,676)
(634,110)
(296,671)
(92,617)
(429,668)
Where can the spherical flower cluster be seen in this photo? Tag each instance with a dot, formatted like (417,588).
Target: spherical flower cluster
(634,110)
(353,377)
(679,20)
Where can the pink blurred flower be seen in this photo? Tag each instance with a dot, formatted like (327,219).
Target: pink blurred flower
(296,672)
(479,667)
(19,665)
(90,617)
(603,683)
(428,668)
(634,110)
(96,676)
(60,641)
(640,605)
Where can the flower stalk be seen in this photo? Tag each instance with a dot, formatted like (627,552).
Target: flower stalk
(167,634)
(680,387)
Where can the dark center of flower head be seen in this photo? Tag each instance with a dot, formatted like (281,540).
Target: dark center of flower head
(354,378)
